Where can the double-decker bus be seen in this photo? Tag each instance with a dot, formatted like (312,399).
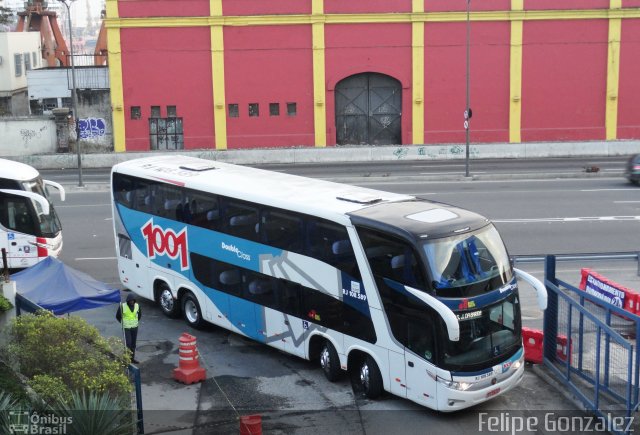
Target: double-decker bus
(408,296)
(29,226)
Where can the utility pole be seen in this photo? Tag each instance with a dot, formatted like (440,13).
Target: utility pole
(467,112)
(74,95)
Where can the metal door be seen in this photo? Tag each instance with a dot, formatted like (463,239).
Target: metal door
(368,110)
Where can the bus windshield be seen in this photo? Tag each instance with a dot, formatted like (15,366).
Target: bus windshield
(468,264)
(487,336)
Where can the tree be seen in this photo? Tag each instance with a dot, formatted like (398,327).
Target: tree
(6,17)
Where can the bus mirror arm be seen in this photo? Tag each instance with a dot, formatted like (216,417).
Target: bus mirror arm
(56,186)
(449,317)
(538,286)
(44,203)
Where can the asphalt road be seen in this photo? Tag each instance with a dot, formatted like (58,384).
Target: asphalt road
(536,216)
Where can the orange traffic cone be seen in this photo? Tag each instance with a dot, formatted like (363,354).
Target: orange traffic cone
(250,425)
(189,370)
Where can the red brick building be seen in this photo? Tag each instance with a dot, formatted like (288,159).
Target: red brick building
(235,74)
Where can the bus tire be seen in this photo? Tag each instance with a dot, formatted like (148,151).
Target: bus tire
(369,378)
(330,362)
(168,304)
(191,311)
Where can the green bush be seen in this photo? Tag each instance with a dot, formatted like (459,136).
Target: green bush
(50,389)
(52,351)
(5,305)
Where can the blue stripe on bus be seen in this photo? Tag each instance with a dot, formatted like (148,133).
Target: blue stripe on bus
(480,301)
(515,357)
(222,247)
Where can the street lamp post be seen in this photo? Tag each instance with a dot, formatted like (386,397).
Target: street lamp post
(74,96)
(467,112)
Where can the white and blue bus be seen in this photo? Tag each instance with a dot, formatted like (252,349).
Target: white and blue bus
(30,230)
(408,296)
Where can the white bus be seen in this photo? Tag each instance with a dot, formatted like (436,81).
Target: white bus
(408,296)
(29,226)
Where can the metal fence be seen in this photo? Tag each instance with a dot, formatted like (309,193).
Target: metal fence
(591,346)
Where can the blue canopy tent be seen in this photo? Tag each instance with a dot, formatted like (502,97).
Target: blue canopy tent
(54,286)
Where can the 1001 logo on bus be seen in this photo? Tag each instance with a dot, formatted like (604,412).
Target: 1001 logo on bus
(166,242)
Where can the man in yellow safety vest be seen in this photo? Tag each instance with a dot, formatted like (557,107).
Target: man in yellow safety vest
(129,315)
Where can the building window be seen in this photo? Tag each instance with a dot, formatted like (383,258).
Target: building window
(171,111)
(234,111)
(27,61)
(155,111)
(166,133)
(274,109)
(34,62)
(18,60)
(292,109)
(136,113)
(254,109)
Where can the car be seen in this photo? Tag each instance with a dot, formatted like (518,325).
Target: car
(632,171)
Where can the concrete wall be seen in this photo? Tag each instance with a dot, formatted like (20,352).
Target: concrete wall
(353,154)
(27,136)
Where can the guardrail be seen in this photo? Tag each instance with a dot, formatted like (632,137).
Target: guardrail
(601,363)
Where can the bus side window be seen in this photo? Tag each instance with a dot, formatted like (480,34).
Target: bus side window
(420,339)
(281,230)
(329,242)
(241,220)
(391,258)
(123,189)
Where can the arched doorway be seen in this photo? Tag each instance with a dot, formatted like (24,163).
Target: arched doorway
(368,110)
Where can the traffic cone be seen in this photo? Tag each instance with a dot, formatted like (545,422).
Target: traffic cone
(251,425)
(189,370)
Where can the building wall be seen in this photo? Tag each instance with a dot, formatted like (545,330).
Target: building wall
(27,136)
(540,70)
(12,43)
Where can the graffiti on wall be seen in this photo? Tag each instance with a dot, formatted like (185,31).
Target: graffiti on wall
(28,135)
(91,128)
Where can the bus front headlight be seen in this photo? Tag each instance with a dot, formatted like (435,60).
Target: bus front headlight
(454,385)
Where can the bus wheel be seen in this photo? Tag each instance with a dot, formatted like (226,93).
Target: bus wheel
(191,310)
(370,378)
(330,362)
(169,306)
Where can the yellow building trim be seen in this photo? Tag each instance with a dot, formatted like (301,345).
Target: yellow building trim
(217,78)
(515,77)
(215,7)
(319,86)
(417,74)
(427,17)
(417,47)
(317,7)
(613,78)
(219,99)
(115,80)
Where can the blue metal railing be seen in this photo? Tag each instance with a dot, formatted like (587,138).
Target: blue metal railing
(601,367)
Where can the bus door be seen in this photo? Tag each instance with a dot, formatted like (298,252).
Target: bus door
(419,361)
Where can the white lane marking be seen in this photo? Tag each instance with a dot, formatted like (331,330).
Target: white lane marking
(95,258)
(448,173)
(608,190)
(571,219)
(435,165)
(625,202)
(82,205)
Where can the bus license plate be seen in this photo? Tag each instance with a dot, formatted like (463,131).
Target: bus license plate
(493,392)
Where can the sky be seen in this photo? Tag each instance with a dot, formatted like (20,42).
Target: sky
(78,9)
